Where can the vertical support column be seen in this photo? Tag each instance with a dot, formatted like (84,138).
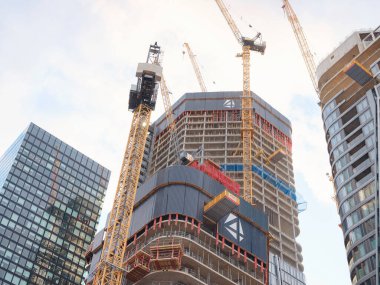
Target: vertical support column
(247,127)
(115,242)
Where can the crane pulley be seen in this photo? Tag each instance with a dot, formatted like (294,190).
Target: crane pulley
(248,44)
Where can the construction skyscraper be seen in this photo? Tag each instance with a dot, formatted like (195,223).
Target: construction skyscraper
(208,126)
(212,122)
(348,80)
(190,227)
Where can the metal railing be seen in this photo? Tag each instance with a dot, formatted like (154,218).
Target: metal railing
(168,238)
(371,37)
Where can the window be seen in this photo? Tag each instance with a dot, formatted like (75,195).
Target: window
(329,107)
(342,177)
(365,116)
(331,118)
(362,105)
(334,128)
(368,128)
(341,163)
(359,214)
(336,139)
(375,68)
(362,230)
(8,277)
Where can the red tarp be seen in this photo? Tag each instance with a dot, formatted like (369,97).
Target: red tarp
(213,170)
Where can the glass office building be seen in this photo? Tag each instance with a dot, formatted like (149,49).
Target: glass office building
(50,202)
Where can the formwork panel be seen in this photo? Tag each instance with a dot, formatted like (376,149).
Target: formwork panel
(258,244)
(176,198)
(220,206)
(191,204)
(142,214)
(162,177)
(358,73)
(179,175)
(161,203)
(146,187)
(277,156)
(242,234)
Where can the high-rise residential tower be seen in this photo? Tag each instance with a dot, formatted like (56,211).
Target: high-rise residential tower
(210,124)
(50,201)
(349,87)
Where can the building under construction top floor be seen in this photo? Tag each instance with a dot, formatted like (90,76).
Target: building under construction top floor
(211,121)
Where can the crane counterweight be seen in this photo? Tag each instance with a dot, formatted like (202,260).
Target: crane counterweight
(253,45)
(145,92)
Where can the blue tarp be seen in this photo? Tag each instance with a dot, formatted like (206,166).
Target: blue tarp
(276,182)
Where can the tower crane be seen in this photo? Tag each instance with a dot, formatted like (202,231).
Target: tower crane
(195,67)
(302,42)
(172,128)
(142,100)
(248,44)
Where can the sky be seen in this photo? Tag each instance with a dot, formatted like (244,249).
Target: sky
(67,66)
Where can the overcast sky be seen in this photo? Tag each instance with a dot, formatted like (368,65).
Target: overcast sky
(68,65)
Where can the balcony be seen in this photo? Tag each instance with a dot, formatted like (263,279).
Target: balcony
(355,141)
(358,153)
(371,37)
(365,164)
(360,183)
(297,230)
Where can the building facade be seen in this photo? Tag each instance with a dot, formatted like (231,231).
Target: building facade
(349,87)
(211,122)
(188,229)
(50,201)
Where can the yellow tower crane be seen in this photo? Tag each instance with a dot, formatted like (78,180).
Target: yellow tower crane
(195,67)
(142,100)
(302,43)
(172,128)
(248,44)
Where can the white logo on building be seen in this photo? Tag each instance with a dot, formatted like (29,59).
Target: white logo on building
(229,103)
(233,226)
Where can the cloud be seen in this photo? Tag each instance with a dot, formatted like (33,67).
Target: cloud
(309,147)
(68,66)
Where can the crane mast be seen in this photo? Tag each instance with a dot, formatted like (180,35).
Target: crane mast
(248,45)
(196,67)
(142,102)
(302,42)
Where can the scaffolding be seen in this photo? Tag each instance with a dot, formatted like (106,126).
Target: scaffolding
(178,243)
(137,266)
(218,133)
(166,257)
